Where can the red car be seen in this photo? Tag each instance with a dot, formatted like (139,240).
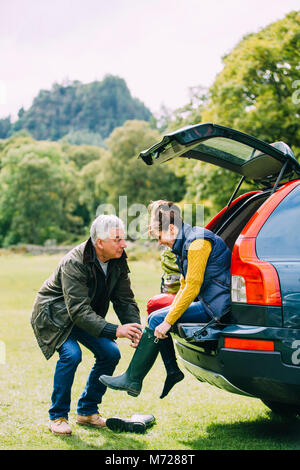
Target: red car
(255,350)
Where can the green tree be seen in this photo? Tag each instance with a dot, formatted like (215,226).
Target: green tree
(5,127)
(38,193)
(95,108)
(84,137)
(82,155)
(255,91)
(126,175)
(92,191)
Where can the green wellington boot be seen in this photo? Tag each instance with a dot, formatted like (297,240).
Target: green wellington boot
(137,423)
(142,361)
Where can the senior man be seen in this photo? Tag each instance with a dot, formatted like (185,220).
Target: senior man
(70,308)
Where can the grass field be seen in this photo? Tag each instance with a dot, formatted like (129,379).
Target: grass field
(193,416)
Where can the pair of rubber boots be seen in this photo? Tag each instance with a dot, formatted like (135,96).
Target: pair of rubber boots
(137,423)
(142,361)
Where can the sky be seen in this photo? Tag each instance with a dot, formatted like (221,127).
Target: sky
(160,47)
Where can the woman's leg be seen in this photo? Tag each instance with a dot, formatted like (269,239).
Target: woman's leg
(140,364)
(143,359)
(166,345)
(194,314)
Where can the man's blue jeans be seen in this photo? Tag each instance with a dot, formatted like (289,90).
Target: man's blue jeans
(107,356)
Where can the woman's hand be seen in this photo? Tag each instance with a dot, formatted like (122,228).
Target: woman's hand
(162,330)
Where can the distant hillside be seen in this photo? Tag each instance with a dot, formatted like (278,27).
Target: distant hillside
(78,111)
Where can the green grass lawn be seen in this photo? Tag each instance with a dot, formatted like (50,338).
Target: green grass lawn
(193,416)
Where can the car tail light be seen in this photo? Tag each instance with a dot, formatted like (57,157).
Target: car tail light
(249,344)
(253,281)
(254,278)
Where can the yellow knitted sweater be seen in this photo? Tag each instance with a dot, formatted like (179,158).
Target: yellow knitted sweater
(198,254)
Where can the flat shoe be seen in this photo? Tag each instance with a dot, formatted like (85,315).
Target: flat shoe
(60,426)
(94,420)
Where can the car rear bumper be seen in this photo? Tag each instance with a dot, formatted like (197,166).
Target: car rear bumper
(251,373)
(211,377)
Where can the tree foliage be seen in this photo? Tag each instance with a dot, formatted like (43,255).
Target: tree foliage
(38,190)
(95,109)
(92,191)
(127,175)
(51,190)
(84,137)
(5,127)
(256,92)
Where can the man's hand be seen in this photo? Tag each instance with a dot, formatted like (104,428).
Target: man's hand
(132,331)
(162,330)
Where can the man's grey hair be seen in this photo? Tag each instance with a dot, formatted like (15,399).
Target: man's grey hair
(101,226)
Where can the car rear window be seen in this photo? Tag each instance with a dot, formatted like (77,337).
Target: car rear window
(279,237)
(227,149)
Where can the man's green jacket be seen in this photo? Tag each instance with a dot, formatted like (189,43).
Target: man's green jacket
(78,293)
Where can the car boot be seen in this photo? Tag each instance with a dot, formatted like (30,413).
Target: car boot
(142,361)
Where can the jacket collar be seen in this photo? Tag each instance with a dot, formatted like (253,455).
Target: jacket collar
(88,252)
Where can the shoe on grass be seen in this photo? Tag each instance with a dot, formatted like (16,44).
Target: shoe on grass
(60,426)
(94,420)
(137,423)
(125,425)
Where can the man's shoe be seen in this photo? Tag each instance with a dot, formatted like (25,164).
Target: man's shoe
(60,426)
(94,420)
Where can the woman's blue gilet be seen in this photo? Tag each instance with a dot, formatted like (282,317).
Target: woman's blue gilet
(215,290)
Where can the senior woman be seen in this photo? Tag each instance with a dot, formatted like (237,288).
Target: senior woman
(203,259)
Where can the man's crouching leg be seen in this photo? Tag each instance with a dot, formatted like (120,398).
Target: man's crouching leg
(69,358)
(107,356)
